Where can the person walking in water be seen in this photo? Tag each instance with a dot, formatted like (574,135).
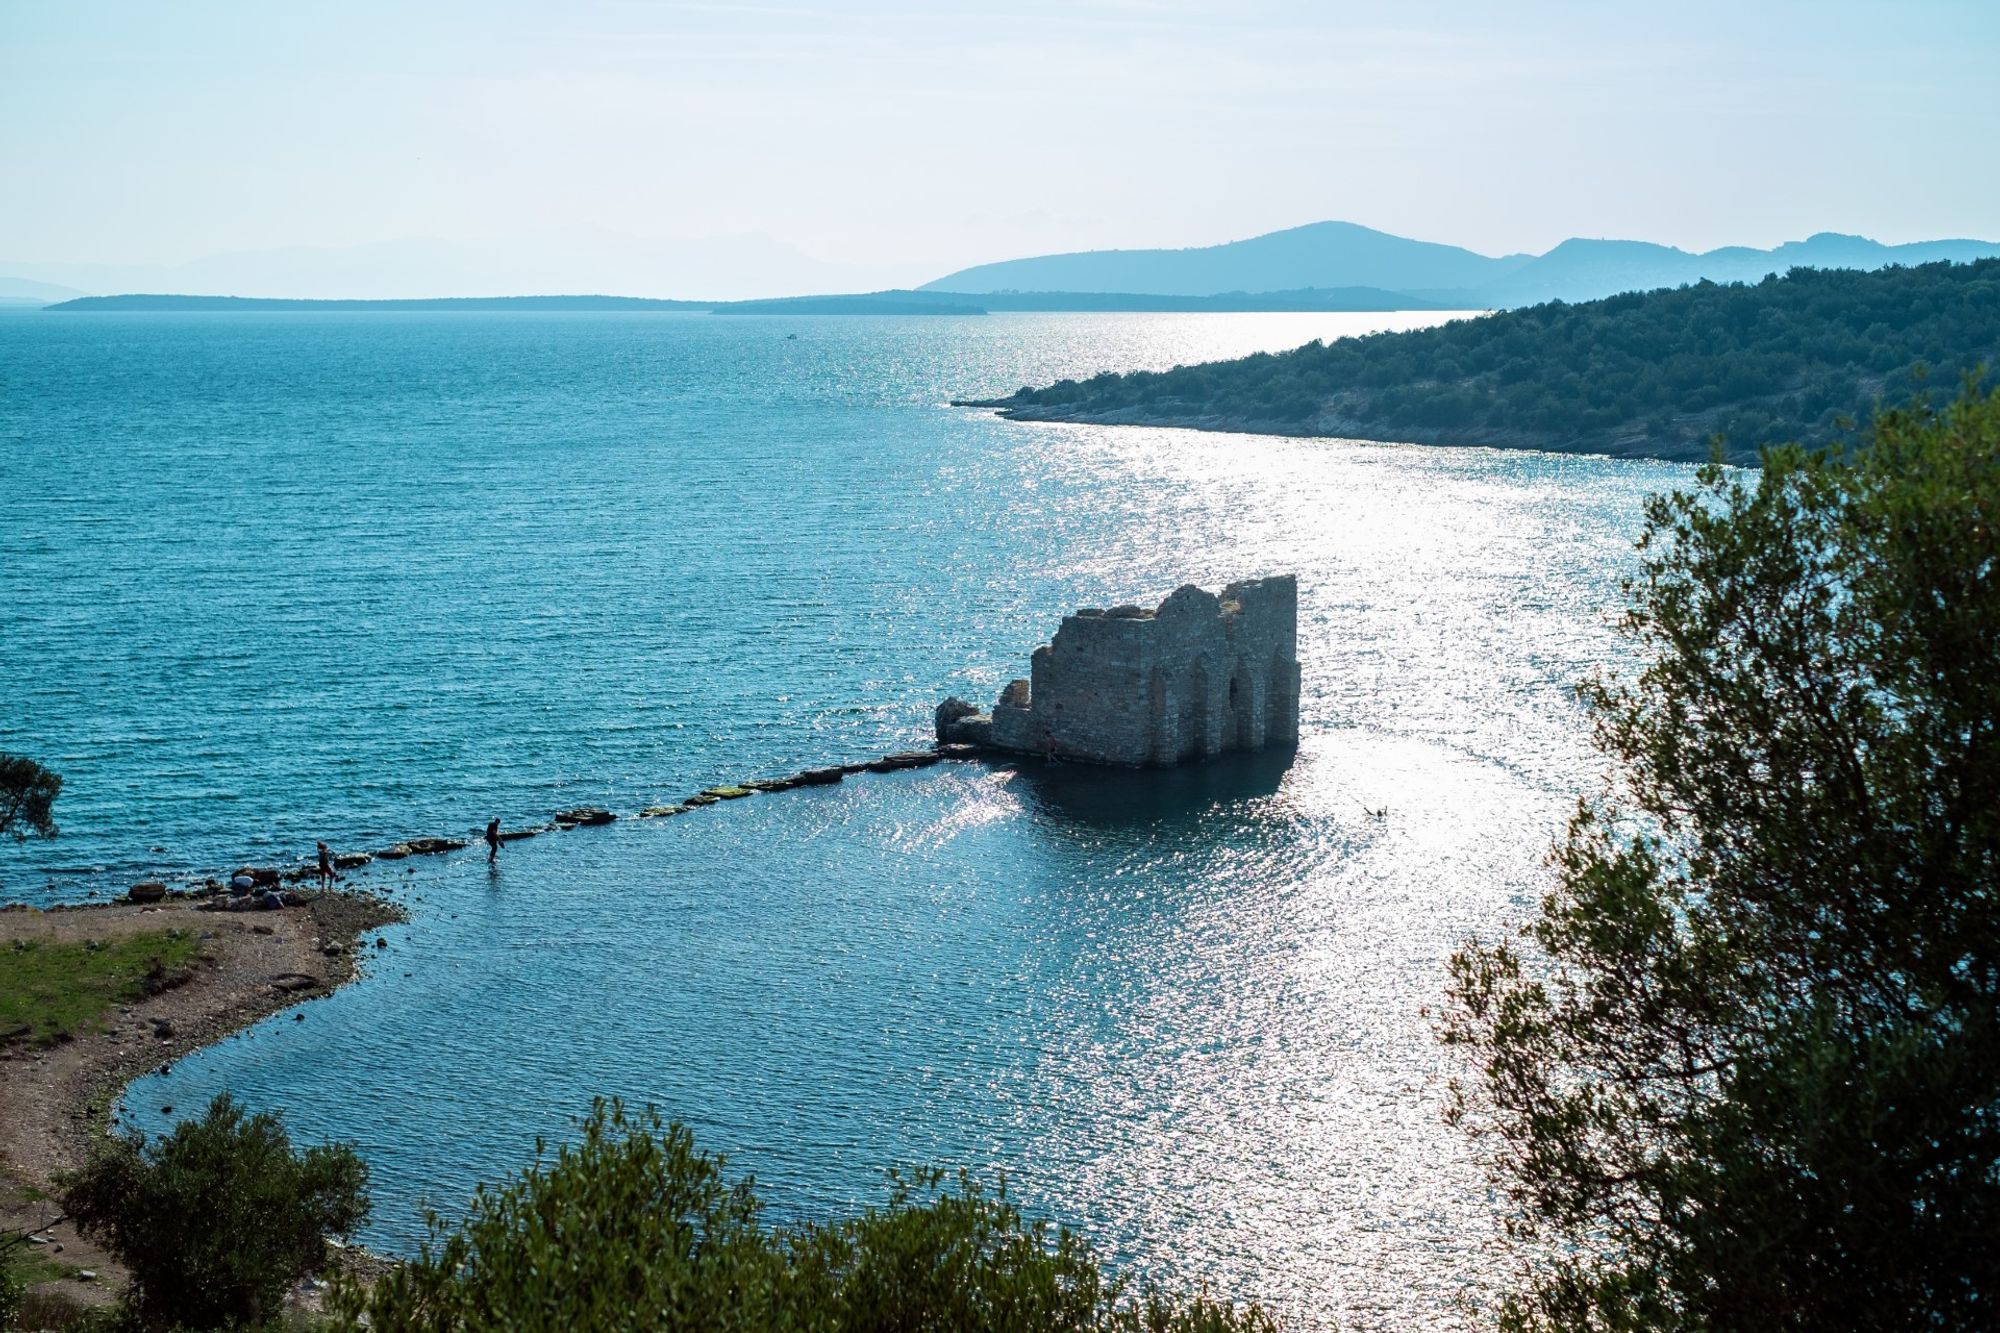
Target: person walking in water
(325,866)
(493,841)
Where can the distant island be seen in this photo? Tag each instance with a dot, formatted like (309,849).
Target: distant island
(248,304)
(904,302)
(1654,375)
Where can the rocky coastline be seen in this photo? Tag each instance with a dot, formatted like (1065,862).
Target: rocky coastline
(1633,444)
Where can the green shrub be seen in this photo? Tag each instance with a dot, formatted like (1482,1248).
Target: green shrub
(628,1228)
(948,1254)
(219,1218)
(12,1291)
(634,1227)
(58,1310)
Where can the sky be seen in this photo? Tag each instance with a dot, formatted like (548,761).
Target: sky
(866,143)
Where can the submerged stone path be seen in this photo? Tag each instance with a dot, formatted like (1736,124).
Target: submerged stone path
(586,816)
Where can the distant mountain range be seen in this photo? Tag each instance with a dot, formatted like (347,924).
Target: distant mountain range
(1323,266)
(1342,254)
(25,291)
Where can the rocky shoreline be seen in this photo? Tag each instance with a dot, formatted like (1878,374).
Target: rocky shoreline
(1636,444)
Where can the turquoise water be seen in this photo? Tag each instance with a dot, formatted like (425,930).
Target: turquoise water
(267,579)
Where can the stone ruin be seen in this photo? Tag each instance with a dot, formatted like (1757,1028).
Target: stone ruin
(1197,677)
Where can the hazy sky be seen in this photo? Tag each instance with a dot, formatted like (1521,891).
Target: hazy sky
(916,138)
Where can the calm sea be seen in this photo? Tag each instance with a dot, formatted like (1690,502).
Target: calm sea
(265,579)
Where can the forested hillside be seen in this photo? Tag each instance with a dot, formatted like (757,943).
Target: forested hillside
(1649,374)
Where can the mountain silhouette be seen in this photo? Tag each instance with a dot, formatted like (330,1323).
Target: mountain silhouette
(25,291)
(1320,255)
(1342,254)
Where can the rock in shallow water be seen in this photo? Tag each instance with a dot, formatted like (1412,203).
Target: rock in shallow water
(966,733)
(889,763)
(948,714)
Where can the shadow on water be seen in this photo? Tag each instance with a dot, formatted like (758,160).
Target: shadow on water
(1128,798)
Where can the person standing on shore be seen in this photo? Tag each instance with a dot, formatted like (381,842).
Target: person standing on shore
(325,866)
(493,841)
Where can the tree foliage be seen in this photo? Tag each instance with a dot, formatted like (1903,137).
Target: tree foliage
(219,1218)
(1742,1070)
(632,1226)
(1653,373)
(27,798)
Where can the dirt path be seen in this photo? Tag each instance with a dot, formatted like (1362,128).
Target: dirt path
(54,1103)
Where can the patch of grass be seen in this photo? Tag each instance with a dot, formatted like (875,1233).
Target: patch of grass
(33,1264)
(51,992)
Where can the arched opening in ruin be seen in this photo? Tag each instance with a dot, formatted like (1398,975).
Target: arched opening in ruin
(1160,746)
(1242,714)
(1281,703)
(1194,735)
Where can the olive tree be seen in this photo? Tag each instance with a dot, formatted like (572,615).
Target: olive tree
(27,798)
(1742,1070)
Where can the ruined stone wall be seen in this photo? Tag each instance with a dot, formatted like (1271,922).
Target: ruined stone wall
(1199,676)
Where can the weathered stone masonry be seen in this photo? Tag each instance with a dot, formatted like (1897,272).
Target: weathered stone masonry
(1200,676)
